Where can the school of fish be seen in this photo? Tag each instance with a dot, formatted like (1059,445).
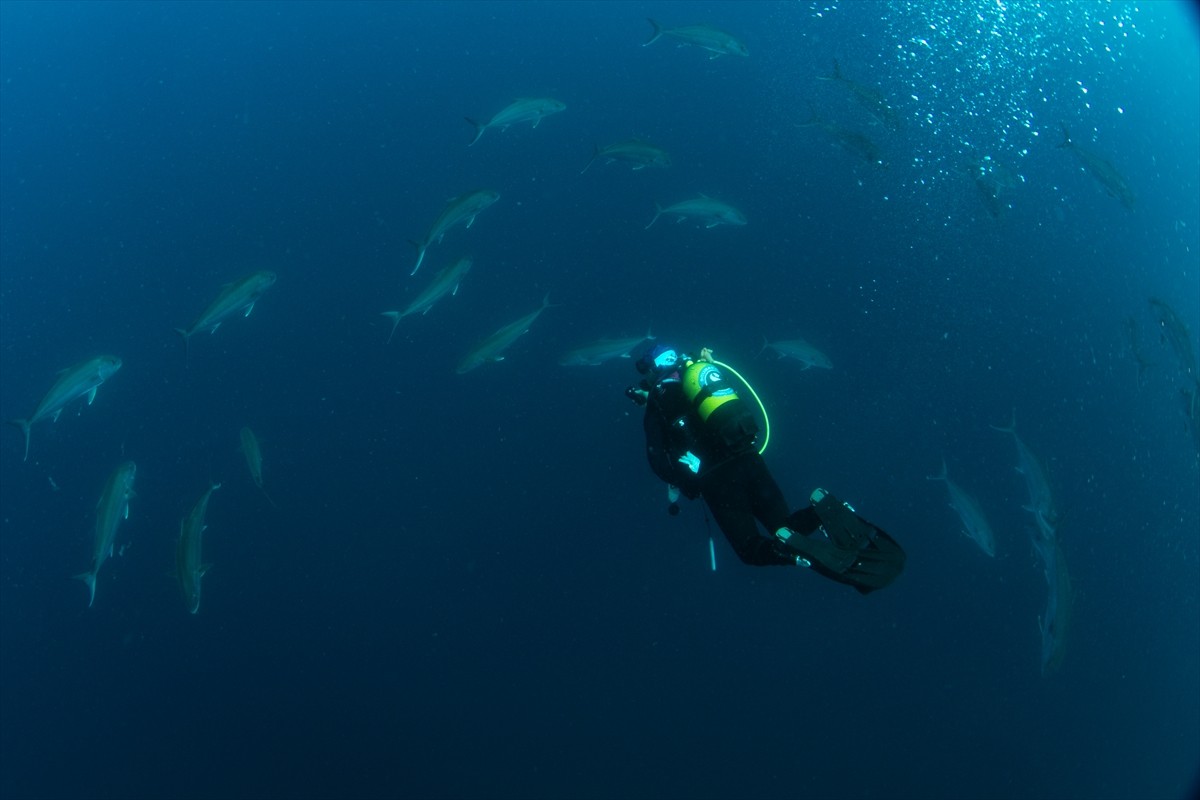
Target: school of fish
(994,182)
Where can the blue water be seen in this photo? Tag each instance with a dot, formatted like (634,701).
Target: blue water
(471,587)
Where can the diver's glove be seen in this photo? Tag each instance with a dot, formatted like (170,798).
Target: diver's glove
(637,395)
(691,461)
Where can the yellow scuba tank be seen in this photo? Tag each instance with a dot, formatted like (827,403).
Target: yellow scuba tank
(718,406)
(705,389)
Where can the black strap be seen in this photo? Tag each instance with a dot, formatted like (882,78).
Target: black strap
(704,394)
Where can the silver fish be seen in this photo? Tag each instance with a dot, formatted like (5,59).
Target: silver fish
(604,350)
(851,141)
(1176,333)
(634,151)
(492,348)
(253,453)
(81,380)
(800,350)
(460,209)
(975,524)
(446,282)
(991,180)
(1041,500)
(525,109)
(237,297)
(868,97)
(703,208)
(1046,550)
(110,510)
(1056,618)
(716,41)
(188,566)
(1101,169)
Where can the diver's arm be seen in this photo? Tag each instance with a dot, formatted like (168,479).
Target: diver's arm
(663,451)
(659,450)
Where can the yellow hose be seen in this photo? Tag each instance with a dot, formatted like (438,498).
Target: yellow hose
(754,394)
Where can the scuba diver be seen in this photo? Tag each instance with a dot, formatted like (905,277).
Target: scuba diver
(700,440)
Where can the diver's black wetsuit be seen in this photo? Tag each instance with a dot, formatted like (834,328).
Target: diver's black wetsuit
(733,478)
(734,481)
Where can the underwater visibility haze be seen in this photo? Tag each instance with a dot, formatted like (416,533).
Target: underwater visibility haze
(380,272)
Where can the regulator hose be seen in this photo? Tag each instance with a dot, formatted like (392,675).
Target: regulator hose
(761,408)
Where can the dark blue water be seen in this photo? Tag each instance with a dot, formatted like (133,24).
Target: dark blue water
(470,587)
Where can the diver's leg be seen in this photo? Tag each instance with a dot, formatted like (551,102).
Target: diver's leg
(732,507)
(768,504)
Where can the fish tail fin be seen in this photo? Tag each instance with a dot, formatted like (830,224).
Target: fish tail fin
(1066,142)
(24,425)
(1012,427)
(187,350)
(479,129)
(763,349)
(658,31)
(420,254)
(657,213)
(943,475)
(90,579)
(395,317)
(595,155)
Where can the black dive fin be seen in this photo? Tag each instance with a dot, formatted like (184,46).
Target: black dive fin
(880,563)
(823,553)
(846,529)
(877,559)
